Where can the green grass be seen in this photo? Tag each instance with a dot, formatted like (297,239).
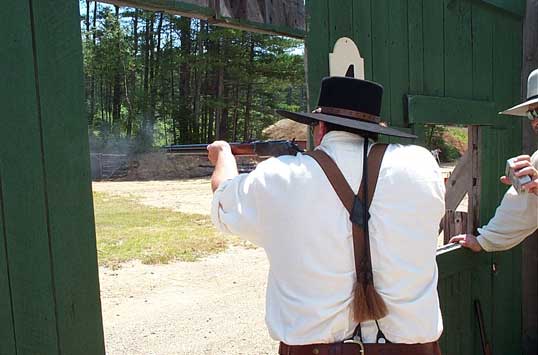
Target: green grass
(127,230)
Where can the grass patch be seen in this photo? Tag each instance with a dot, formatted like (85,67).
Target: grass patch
(127,230)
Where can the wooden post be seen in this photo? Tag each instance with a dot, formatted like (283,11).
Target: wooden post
(473,193)
(530,144)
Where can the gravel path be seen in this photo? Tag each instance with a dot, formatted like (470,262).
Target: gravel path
(213,306)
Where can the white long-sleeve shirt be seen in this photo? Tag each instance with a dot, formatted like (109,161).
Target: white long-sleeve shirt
(514,220)
(288,207)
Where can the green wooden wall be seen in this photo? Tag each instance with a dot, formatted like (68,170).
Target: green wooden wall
(444,61)
(49,289)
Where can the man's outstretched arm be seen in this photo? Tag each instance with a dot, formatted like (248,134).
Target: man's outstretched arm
(220,155)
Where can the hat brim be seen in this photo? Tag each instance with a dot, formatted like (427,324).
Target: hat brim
(310,118)
(521,109)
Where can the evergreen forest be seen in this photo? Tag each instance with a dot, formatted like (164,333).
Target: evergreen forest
(153,79)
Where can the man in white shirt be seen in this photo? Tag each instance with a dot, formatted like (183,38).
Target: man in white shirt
(288,207)
(517,215)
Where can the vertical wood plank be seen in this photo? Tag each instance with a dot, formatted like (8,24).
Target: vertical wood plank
(67,176)
(482,57)
(340,21)
(7,331)
(433,34)
(362,32)
(458,49)
(416,58)
(25,221)
(316,46)
(381,52)
(398,62)
(506,280)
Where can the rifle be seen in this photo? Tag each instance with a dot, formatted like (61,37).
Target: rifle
(259,148)
(486,348)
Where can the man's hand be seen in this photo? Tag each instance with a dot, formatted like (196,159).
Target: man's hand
(220,155)
(522,167)
(468,241)
(215,149)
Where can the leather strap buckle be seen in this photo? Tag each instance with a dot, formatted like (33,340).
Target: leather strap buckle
(357,342)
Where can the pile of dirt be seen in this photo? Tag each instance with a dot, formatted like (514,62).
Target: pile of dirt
(172,166)
(286,129)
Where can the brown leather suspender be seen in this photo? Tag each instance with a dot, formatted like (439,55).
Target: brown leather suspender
(371,306)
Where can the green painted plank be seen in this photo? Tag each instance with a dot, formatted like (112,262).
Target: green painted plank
(316,46)
(482,33)
(453,259)
(399,61)
(416,46)
(25,220)
(506,282)
(362,33)
(340,20)
(416,59)
(381,52)
(7,331)
(433,34)
(458,49)
(448,110)
(514,7)
(67,176)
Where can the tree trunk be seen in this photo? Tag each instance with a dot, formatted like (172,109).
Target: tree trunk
(246,131)
(184,83)
(131,85)
(116,95)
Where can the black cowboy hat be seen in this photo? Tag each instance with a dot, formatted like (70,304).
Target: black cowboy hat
(348,102)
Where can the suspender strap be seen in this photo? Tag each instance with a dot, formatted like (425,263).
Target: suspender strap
(358,211)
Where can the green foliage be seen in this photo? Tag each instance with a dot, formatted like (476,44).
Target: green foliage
(449,140)
(154,79)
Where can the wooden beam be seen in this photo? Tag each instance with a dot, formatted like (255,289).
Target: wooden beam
(281,17)
(450,111)
(458,183)
(475,180)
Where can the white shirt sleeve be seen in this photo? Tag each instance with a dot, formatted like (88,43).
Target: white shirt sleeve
(514,220)
(239,205)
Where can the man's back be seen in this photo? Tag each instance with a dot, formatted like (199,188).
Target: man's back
(288,207)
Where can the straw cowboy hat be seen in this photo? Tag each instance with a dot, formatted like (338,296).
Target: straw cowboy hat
(348,102)
(532,98)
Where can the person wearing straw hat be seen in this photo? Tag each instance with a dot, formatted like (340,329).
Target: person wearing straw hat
(350,230)
(517,215)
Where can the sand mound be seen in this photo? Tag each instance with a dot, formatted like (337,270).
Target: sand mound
(286,129)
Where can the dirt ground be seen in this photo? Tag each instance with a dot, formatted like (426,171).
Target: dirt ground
(213,306)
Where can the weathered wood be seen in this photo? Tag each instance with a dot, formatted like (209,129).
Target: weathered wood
(530,144)
(66,177)
(455,222)
(475,181)
(284,17)
(448,110)
(458,183)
